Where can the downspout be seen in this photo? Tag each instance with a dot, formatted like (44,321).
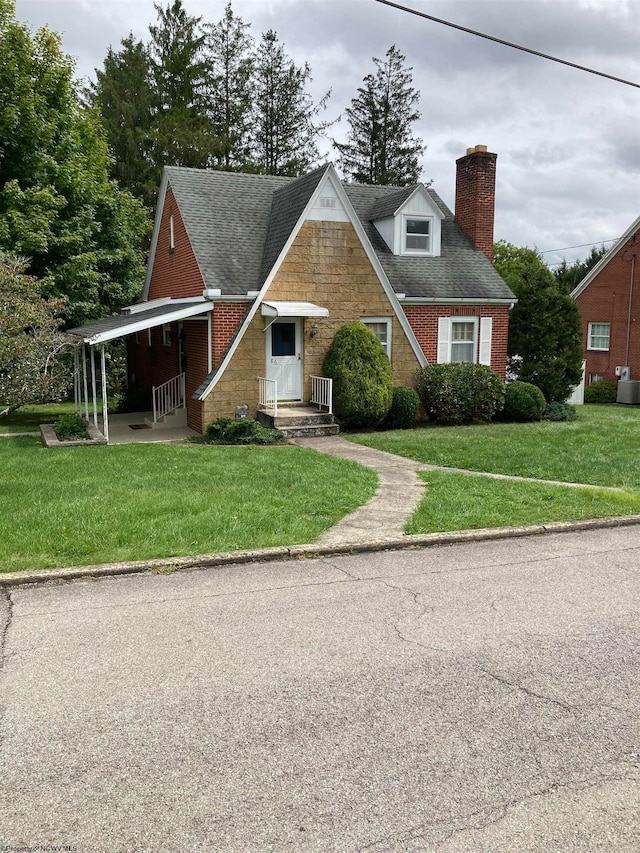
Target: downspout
(633,267)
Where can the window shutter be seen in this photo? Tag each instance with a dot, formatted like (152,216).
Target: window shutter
(444,339)
(486,324)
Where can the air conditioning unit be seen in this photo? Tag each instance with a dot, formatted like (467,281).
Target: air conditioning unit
(623,372)
(629,392)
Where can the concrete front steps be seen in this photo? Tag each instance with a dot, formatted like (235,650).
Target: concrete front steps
(172,420)
(299,421)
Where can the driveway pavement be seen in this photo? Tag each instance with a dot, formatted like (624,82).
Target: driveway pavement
(462,698)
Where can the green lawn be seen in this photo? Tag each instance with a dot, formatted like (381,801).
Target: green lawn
(29,418)
(602,448)
(83,505)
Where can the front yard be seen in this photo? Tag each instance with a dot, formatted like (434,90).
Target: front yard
(602,447)
(84,505)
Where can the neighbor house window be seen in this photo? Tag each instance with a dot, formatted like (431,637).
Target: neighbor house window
(166,334)
(381,328)
(463,340)
(172,236)
(417,235)
(599,334)
(595,377)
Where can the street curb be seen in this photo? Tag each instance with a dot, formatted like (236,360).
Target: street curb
(300,552)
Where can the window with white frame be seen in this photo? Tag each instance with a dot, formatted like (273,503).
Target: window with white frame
(595,377)
(381,328)
(599,334)
(166,334)
(417,234)
(172,235)
(463,340)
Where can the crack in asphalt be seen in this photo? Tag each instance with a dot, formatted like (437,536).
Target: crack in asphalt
(534,695)
(484,818)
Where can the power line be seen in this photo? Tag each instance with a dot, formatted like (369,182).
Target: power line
(579,246)
(507,43)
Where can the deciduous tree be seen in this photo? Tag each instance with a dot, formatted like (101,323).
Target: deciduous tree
(545,330)
(30,341)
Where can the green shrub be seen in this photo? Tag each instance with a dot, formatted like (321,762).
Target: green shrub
(522,402)
(559,412)
(70,426)
(459,393)
(404,408)
(602,391)
(362,377)
(246,431)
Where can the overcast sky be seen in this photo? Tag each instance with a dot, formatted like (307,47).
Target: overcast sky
(568,142)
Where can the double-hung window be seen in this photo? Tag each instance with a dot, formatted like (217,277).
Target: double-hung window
(599,334)
(381,328)
(463,340)
(417,235)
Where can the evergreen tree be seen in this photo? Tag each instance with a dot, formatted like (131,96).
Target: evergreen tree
(230,57)
(57,204)
(284,132)
(182,135)
(124,96)
(569,276)
(380,147)
(545,330)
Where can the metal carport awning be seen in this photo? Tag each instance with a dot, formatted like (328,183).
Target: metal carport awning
(292,309)
(135,318)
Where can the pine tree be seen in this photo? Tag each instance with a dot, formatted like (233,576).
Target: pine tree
(285,133)
(183,135)
(569,276)
(124,96)
(230,58)
(380,148)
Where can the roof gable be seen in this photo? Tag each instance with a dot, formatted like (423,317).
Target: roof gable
(392,204)
(604,260)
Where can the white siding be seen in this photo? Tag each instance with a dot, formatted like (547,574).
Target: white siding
(385,228)
(323,212)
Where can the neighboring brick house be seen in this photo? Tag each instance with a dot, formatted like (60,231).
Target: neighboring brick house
(250,276)
(608,299)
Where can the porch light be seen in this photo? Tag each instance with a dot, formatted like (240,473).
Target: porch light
(314,330)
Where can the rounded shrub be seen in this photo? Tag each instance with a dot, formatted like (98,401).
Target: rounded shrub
(362,377)
(602,391)
(404,408)
(70,426)
(522,402)
(459,393)
(559,412)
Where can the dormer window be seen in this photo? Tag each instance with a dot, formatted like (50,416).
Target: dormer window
(417,235)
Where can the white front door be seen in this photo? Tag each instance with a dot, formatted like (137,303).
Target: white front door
(284,357)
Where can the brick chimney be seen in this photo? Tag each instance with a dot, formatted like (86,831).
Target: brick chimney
(476,196)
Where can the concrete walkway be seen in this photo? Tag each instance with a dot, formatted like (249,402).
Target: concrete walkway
(382,518)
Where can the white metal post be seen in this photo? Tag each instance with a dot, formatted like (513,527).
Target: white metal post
(86,389)
(93,388)
(105,413)
(76,379)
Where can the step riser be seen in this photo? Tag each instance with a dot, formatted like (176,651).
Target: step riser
(309,432)
(285,421)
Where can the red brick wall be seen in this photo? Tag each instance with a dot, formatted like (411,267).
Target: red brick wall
(476,197)
(424,322)
(606,300)
(195,355)
(175,273)
(227,317)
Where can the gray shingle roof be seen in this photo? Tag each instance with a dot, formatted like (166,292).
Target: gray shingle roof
(238,225)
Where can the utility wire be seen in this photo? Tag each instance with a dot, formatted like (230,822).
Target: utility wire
(507,43)
(579,246)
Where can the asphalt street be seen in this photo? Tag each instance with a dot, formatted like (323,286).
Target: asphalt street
(460,699)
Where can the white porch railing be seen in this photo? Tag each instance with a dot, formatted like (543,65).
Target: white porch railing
(322,392)
(168,397)
(268,394)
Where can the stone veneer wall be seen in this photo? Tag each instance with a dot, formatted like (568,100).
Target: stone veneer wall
(326,265)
